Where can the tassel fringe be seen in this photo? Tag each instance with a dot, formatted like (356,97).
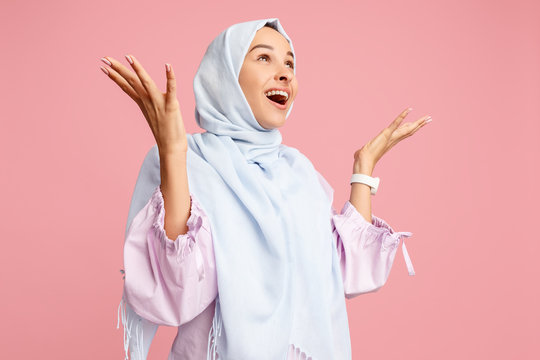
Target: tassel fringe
(215,331)
(295,353)
(130,319)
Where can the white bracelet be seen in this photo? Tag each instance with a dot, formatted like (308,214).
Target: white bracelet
(368,180)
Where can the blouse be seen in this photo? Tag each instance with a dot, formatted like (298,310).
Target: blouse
(175,282)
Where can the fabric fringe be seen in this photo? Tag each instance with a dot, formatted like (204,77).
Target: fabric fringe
(295,353)
(130,319)
(215,331)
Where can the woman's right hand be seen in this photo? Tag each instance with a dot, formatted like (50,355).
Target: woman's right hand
(161,110)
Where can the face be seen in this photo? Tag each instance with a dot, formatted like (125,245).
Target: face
(268,67)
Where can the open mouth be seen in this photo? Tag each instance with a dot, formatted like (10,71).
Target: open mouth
(277,98)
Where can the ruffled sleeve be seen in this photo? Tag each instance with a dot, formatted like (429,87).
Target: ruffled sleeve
(366,250)
(169,282)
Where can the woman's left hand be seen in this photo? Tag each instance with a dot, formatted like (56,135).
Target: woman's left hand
(370,154)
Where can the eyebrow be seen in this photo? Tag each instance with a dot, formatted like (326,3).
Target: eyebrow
(268,47)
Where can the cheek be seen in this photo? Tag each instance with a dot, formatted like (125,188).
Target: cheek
(246,80)
(295,87)
(253,89)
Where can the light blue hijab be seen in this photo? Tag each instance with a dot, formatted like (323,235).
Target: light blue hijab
(279,278)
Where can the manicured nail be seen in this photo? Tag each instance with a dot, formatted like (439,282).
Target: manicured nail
(129,59)
(409,109)
(428,120)
(104,70)
(106,61)
(168,67)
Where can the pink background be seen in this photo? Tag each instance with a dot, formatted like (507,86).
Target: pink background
(466,184)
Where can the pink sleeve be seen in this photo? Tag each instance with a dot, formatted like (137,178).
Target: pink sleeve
(366,250)
(169,282)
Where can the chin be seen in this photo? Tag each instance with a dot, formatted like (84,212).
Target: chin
(269,125)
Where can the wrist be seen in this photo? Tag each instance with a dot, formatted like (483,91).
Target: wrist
(363,167)
(172,147)
(172,153)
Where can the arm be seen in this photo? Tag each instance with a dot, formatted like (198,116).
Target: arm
(366,157)
(163,115)
(366,250)
(175,190)
(361,193)
(169,282)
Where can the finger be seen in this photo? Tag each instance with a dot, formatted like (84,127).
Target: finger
(421,122)
(394,125)
(424,121)
(127,74)
(122,83)
(415,130)
(418,124)
(145,79)
(170,96)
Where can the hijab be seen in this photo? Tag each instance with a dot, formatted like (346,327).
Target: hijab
(278,274)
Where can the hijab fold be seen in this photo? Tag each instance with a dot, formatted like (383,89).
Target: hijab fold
(279,281)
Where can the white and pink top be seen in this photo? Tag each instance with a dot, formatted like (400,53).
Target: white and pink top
(174,283)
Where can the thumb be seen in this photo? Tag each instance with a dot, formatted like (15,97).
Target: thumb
(395,124)
(170,96)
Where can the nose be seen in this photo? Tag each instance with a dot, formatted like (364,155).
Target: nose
(283,74)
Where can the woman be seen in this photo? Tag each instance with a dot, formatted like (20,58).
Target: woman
(231,235)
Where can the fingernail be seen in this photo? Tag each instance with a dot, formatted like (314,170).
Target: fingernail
(409,109)
(104,70)
(429,120)
(129,59)
(106,61)
(168,67)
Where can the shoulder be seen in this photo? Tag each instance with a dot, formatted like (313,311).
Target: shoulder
(295,155)
(298,156)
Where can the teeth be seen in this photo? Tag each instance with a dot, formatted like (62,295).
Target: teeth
(274,92)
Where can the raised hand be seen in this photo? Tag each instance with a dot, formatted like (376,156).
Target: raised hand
(372,152)
(161,110)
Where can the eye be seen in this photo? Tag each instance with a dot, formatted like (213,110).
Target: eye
(268,58)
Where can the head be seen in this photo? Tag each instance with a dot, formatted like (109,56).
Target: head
(230,83)
(268,64)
